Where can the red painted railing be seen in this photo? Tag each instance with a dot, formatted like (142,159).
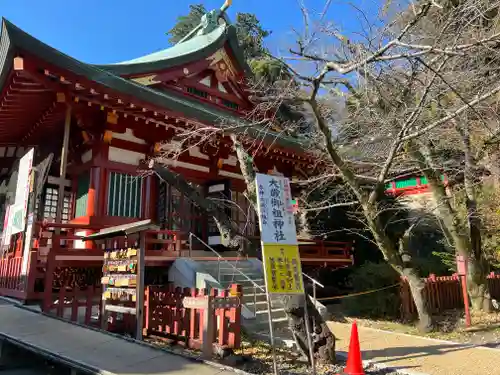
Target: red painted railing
(172,244)
(12,283)
(441,293)
(327,250)
(168,242)
(75,304)
(10,273)
(166,317)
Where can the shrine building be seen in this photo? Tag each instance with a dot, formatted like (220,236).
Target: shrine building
(93,127)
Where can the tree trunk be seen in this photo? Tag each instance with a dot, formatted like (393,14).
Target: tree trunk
(323,339)
(477,285)
(466,244)
(400,259)
(417,286)
(478,269)
(230,233)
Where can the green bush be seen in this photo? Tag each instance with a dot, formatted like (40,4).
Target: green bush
(384,303)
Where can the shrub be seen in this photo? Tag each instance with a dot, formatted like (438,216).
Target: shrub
(384,303)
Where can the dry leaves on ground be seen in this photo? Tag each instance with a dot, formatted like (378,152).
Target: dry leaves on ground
(450,325)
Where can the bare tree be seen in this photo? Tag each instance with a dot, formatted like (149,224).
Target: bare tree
(407,87)
(395,92)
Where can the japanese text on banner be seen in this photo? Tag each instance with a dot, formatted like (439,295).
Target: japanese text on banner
(276,219)
(282,269)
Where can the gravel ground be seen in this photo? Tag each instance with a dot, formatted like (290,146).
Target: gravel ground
(256,358)
(265,367)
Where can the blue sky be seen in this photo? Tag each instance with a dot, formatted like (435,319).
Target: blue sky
(106,31)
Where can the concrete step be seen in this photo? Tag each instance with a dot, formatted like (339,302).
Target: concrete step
(248,289)
(260,297)
(230,266)
(261,325)
(276,313)
(240,278)
(251,283)
(250,298)
(261,306)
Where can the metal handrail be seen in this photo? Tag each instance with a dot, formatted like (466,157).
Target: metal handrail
(191,234)
(222,258)
(313,280)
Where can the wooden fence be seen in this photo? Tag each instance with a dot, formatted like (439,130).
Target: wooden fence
(75,304)
(12,282)
(441,293)
(164,314)
(166,317)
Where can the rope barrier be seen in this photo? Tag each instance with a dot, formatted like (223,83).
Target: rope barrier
(358,294)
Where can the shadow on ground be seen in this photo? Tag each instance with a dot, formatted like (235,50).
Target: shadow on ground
(411,352)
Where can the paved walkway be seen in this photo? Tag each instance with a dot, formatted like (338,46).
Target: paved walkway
(419,355)
(98,351)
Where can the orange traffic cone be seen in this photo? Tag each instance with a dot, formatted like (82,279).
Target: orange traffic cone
(354,364)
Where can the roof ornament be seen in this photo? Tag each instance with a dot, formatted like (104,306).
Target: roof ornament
(209,21)
(226,5)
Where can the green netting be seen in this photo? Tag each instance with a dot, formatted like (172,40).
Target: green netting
(401,184)
(82,192)
(124,195)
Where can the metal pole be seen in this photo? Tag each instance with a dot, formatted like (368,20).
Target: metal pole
(271,332)
(255,301)
(190,245)
(218,269)
(308,334)
(315,306)
(139,291)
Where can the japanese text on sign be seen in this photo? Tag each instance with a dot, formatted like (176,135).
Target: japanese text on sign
(277,224)
(282,269)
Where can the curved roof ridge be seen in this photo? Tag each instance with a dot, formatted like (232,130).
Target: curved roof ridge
(180,49)
(209,36)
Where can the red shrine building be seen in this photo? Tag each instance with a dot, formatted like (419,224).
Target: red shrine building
(93,127)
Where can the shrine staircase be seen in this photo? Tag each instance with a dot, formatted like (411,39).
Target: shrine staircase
(248,272)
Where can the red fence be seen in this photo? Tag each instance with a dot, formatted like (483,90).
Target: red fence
(441,293)
(166,317)
(164,314)
(12,283)
(75,304)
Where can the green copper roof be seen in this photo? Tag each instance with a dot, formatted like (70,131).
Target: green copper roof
(184,49)
(14,40)
(213,34)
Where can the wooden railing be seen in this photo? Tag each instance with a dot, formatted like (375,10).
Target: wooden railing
(74,304)
(441,293)
(12,282)
(164,314)
(319,249)
(166,317)
(169,242)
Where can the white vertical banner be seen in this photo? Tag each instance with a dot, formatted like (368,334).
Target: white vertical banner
(20,206)
(6,229)
(27,244)
(276,218)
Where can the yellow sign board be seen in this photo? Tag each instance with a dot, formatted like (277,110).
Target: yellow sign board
(282,268)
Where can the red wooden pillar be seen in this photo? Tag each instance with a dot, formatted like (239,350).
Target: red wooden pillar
(93,195)
(150,196)
(102,193)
